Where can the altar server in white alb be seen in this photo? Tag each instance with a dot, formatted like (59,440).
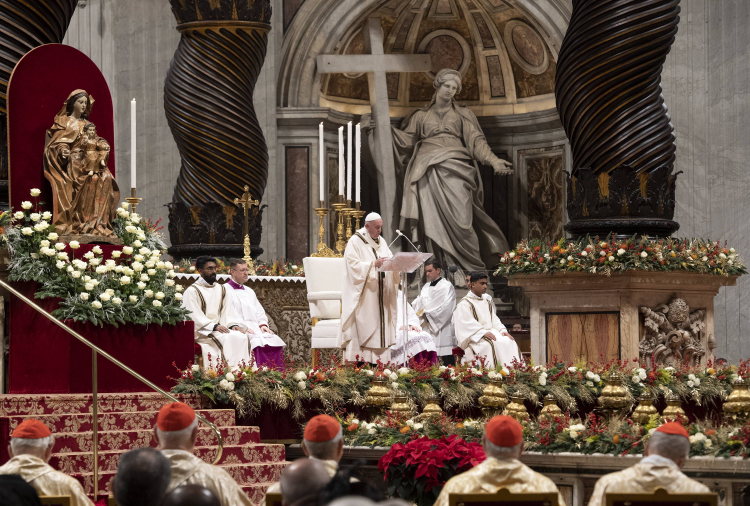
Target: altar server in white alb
(218,327)
(368,296)
(267,347)
(420,346)
(479,331)
(434,307)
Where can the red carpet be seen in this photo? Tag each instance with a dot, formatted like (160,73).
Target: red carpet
(126,422)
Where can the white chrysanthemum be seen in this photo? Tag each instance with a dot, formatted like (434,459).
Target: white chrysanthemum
(116,254)
(26,205)
(97,304)
(102,269)
(27,231)
(141,285)
(130,229)
(230,377)
(635,379)
(611,258)
(620,252)
(125,280)
(156,303)
(74,244)
(149,293)
(572,369)
(178,296)
(151,272)
(62,255)
(137,243)
(644,254)
(18,215)
(128,250)
(35,216)
(105,297)
(590,384)
(116,301)
(84,296)
(179,288)
(89,286)
(150,264)
(137,266)
(35,192)
(97,249)
(144,277)
(169,282)
(52,236)
(60,264)
(138,258)
(133,298)
(95,261)
(159,295)
(301,385)
(171,274)
(59,246)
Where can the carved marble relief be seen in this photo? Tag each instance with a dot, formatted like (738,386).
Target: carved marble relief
(673,335)
(544,183)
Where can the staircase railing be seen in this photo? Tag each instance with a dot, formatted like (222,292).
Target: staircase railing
(95,350)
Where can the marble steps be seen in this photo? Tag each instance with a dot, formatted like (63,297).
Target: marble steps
(115,440)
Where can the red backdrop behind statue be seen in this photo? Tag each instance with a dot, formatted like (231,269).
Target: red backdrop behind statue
(43,357)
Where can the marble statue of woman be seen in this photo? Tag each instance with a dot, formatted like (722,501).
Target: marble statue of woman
(84,193)
(437,149)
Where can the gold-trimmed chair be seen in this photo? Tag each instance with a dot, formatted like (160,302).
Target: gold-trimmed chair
(504,496)
(324,278)
(660,497)
(273,499)
(54,500)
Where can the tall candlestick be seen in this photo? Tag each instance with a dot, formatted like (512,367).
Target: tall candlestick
(321,165)
(132,144)
(357,158)
(341,160)
(349,161)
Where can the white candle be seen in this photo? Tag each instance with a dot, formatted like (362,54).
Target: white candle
(349,161)
(321,167)
(132,143)
(357,158)
(341,160)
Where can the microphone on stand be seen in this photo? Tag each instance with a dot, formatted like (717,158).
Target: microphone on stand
(402,235)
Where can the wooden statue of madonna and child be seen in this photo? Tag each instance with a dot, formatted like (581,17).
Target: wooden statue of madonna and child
(84,192)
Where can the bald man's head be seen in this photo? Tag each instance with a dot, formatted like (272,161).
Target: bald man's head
(191,495)
(302,481)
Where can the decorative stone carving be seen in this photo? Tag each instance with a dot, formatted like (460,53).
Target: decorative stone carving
(672,335)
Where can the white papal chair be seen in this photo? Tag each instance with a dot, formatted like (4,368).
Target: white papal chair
(324,279)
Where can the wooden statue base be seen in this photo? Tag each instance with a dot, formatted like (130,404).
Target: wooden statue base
(596,317)
(91,239)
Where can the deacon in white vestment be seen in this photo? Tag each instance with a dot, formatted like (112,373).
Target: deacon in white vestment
(479,331)
(218,329)
(434,307)
(420,345)
(267,347)
(368,296)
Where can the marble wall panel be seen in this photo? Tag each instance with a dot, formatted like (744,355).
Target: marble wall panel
(290,9)
(297,160)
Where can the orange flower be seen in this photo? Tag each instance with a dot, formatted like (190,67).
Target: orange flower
(320,376)
(616,439)
(405,429)
(352,427)
(710,432)
(212,373)
(459,425)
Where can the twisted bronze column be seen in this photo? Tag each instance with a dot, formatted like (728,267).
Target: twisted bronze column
(25,25)
(609,97)
(208,100)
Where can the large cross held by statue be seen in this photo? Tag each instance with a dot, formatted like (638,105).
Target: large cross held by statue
(376,64)
(247,203)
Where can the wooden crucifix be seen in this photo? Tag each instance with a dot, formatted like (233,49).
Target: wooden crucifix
(247,203)
(376,64)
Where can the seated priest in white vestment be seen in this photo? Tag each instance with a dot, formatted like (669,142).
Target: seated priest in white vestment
(434,307)
(368,296)
(479,331)
(267,347)
(420,346)
(218,328)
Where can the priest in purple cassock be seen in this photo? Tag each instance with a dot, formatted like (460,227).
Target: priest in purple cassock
(267,347)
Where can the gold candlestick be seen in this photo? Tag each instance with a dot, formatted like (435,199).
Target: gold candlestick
(132,200)
(340,242)
(357,214)
(247,203)
(323,249)
(348,210)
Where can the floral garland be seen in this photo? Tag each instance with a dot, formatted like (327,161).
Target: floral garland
(133,286)
(613,256)
(574,386)
(280,267)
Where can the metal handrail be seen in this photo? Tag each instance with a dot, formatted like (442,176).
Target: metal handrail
(95,350)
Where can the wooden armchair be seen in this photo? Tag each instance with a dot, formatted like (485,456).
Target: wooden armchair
(661,497)
(504,496)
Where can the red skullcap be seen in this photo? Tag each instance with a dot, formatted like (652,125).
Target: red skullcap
(31,429)
(504,431)
(673,428)
(321,428)
(175,416)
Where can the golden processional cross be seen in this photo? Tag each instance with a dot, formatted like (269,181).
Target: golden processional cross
(247,203)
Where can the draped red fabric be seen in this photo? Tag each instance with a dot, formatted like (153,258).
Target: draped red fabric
(38,88)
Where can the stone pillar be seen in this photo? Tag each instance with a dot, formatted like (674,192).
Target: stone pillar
(26,25)
(609,97)
(208,100)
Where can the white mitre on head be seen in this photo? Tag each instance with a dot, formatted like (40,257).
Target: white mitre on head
(373,217)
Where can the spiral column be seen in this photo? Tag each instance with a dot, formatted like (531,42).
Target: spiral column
(208,100)
(609,97)
(25,25)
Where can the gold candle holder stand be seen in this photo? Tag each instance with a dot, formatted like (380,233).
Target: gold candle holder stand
(357,214)
(323,249)
(340,242)
(133,201)
(348,210)
(247,203)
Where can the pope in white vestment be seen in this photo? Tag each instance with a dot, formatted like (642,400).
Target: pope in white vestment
(479,331)
(434,307)
(368,296)
(212,309)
